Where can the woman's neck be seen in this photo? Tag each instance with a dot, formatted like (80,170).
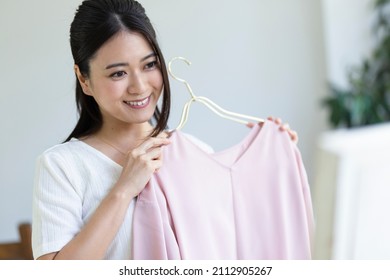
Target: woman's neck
(117,141)
(124,137)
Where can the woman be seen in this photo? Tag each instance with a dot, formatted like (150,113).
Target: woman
(85,188)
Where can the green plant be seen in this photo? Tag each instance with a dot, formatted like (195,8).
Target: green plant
(367,100)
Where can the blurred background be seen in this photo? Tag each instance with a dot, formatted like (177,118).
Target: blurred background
(321,66)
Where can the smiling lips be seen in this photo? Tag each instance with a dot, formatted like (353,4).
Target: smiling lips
(138,104)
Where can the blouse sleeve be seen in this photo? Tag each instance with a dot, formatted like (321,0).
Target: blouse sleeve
(57,206)
(306,196)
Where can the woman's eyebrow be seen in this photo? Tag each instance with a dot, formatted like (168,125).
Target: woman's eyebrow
(119,64)
(148,56)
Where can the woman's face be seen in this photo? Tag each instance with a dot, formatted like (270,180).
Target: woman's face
(125,79)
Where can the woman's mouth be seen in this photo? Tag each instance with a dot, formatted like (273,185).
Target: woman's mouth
(138,104)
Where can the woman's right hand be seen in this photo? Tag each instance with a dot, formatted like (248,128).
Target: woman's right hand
(141,163)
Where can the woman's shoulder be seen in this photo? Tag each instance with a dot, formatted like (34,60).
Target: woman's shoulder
(60,161)
(70,151)
(65,148)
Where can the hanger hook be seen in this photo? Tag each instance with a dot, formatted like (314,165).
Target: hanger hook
(177,78)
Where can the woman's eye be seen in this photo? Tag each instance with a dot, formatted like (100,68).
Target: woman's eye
(118,74)
(151,65)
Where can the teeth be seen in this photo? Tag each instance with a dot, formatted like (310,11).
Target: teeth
(138,103)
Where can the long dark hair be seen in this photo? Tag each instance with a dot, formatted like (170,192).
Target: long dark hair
(94,23)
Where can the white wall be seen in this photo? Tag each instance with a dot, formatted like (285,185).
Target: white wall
(256,57)
(348,36)
(36,97)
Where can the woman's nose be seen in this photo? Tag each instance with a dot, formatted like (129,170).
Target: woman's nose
(137,84)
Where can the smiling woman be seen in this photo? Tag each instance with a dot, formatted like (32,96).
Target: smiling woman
(125,81)
(94,28)
(86,188)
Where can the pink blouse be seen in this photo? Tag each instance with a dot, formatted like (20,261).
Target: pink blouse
(251,201)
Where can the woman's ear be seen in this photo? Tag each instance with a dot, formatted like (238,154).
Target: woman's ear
(84,82)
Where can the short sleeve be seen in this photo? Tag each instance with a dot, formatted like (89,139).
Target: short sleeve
(57,206)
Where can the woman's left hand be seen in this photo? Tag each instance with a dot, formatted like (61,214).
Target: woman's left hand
(283,127)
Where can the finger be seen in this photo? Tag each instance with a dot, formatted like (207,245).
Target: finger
(250,125)
(261,123)
(153,142)
(294,136)
(148,145)
(157,164)
(278,121)
(284,127)
(270,118)
(164,134)
(152,154)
